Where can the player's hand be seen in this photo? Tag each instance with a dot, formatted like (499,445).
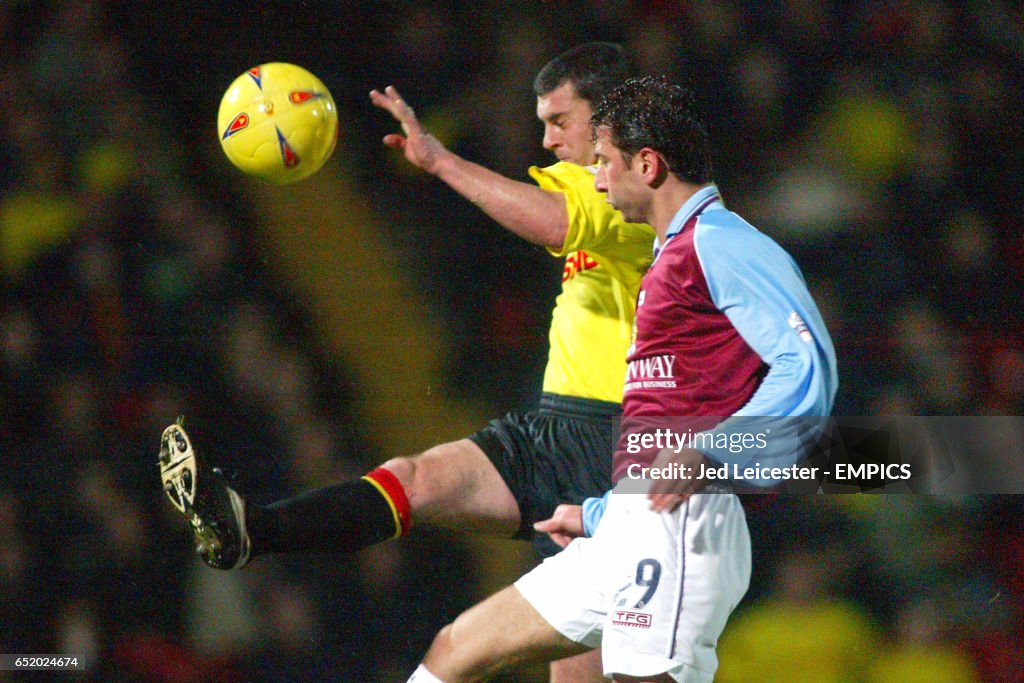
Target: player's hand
(564,525)
(666,495)
(420,147)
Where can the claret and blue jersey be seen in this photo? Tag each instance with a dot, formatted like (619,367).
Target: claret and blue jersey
(726,336)
(725,327)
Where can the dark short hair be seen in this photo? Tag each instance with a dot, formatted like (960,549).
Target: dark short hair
(593,69)
(652,112)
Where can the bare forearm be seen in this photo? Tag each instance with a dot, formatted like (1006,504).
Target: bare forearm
(530,212)
(534,214)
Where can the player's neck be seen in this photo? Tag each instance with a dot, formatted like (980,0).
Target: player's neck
(667,201)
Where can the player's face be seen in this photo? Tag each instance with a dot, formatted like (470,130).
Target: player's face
(566,119)
(623,188)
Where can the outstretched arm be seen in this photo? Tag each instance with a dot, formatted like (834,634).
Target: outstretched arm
(534,214)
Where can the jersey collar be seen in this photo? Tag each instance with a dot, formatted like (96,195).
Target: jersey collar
(693,207)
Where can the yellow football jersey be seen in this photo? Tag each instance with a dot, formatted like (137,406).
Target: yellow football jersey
(605,258)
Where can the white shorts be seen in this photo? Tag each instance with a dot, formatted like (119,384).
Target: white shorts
(653,590)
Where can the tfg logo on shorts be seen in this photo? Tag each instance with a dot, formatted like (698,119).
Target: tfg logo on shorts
(634,619)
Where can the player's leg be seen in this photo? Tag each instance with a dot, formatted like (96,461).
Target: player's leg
(454,484)
(556,610)
(501,632)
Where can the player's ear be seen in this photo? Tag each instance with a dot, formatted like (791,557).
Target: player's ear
(653,166)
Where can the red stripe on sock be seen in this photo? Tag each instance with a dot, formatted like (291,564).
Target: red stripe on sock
(396,494)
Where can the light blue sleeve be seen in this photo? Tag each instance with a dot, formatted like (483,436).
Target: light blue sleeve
(593,510)
(759,287)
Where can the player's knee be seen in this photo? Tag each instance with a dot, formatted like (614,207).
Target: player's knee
(404,469)
(440,649)
(441,657)
(433,476)
(423,487)
(456,659)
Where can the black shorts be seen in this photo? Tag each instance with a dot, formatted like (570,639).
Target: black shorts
(560,453)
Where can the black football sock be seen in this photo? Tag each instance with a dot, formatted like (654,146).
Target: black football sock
(343,517)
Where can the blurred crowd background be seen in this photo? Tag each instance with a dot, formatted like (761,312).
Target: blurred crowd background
(308,333)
